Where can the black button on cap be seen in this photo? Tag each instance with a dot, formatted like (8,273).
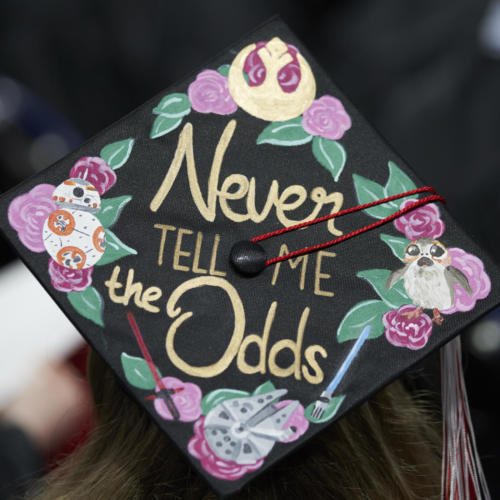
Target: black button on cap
(248,258)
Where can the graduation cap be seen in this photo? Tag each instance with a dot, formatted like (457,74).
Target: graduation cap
(250,258)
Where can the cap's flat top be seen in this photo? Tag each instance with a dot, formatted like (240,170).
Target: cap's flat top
(131,235)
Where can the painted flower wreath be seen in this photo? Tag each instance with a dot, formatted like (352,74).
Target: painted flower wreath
(321,122)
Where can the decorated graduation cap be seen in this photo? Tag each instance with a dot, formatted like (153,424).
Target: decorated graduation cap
(249,257)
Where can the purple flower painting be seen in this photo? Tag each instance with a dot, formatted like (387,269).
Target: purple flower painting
(27,214)
(401,331)
(422,222)
(326,117)
(209,93)
(187,400)
(66,279)
(96,171)
(479,281)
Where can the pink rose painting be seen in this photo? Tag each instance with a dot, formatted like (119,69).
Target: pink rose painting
(27,214)
(401,331)
(422,222)
(209,93)
(222,469)
(96,171)
(65,279)
(479,281)
(327,118)
(187,401)
(288,75)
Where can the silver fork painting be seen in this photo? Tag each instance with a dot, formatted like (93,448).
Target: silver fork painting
(326,396)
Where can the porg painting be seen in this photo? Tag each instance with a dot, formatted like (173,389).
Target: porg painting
(429,278)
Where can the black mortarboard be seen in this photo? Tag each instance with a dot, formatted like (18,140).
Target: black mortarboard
(147,237)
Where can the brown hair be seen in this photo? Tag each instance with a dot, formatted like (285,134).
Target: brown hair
(387,448)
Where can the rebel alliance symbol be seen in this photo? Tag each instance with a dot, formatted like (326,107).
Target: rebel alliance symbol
(268,101)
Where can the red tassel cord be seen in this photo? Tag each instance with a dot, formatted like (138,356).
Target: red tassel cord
(306,250)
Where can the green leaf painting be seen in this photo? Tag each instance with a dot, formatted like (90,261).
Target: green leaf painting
(213,398)
(289,133)
(330,154)
(398,182)
(330,412)
(117,153)
(111,209)
(170,110)
(224,69)
(163,125)
(115,249)
(368,191)
(88,304)
(265,387)
(395,297)
(137,372)
(367,312)
(397,244)
(174,105)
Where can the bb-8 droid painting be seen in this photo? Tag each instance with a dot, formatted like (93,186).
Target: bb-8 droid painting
(72,236)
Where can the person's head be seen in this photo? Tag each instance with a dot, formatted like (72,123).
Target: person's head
(387,448)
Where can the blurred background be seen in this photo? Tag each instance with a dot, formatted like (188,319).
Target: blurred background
(426,74)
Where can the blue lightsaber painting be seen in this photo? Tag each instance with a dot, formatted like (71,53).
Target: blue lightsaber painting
(326,396)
